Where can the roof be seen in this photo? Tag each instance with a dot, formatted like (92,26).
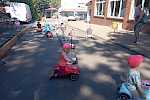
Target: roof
(84,10)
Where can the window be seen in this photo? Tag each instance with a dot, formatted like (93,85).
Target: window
(100,7)
(146,6)
(116,8)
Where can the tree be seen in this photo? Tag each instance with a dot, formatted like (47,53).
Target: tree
(55,3)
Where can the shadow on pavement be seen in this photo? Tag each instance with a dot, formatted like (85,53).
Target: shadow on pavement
(25,76)
(127,38)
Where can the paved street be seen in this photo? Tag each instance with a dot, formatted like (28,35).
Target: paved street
(25,76)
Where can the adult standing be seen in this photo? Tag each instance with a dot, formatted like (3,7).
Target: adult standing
(138,15)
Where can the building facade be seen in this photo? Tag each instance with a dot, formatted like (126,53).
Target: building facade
(104,12)
(74,8)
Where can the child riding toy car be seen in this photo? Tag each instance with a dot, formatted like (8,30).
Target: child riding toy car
(132,89)
(65,68)
(48,30)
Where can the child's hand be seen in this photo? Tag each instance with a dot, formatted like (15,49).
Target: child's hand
(140,92)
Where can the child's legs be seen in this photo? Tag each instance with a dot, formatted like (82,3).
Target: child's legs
(17,27)
(136,36)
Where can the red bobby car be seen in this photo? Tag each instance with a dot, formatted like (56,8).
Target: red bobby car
(65,71)
(49,34)
(39,30)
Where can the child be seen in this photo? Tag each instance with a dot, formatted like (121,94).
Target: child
(134,77)
(62,27)
(65,57)
(89,32)
(17,23)
(48,30)
(39,26)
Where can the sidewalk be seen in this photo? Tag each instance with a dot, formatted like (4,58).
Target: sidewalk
(101,31)
(11,41)
(122,38)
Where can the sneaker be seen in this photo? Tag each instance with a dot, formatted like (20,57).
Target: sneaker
(138,43)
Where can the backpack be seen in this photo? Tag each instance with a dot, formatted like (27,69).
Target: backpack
(145,18)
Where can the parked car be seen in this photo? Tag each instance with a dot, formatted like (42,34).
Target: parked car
(73,18)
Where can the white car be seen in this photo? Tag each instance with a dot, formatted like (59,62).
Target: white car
(71,18)
(20,11)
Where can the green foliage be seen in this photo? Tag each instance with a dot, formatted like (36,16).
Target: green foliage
(55,3)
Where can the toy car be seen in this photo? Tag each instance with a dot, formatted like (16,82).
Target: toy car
(39,30)
(49,34)
(123,92)
(66,71)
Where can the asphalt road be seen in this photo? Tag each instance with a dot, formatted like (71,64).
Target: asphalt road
(25,76)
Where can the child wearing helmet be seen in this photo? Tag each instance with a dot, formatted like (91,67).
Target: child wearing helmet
(134,77)
(48,30)
(65,57)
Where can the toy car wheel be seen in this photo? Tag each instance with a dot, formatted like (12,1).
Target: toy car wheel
(74,77)
(51,74)
(123,96)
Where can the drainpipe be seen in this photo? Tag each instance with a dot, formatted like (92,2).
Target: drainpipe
(126,23)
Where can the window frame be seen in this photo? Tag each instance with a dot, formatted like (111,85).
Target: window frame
(103,8)
(109,10)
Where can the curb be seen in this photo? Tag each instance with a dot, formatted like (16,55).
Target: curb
(4,50)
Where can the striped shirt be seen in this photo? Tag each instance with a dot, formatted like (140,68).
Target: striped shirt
(134,77)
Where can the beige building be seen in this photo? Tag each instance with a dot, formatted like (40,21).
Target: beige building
(74,8)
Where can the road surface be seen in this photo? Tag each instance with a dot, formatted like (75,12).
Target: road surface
(25,76)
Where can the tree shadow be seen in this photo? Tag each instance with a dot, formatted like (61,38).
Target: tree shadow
(27,65)
(127,39)
(26,72)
